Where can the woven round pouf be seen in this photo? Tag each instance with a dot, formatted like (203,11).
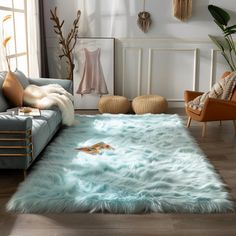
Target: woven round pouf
(113,104)
(154,104)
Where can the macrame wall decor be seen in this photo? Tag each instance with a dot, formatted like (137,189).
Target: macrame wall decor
(182,9)
(144,19)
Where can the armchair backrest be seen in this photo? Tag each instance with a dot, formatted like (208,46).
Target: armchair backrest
(233,98)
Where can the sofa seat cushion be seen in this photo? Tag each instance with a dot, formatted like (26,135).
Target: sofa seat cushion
(44,127)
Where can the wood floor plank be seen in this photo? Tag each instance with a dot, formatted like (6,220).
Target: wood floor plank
(117,232)
(89,221)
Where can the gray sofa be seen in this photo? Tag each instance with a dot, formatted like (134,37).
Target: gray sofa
(23,138)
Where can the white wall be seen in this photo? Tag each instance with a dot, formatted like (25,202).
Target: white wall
(171,57)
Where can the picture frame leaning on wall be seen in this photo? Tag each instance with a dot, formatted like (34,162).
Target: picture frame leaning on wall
(94,71)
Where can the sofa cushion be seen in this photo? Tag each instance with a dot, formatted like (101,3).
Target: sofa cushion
(44,127)
(22,78)
(4,105)
(13,90)
(65,83)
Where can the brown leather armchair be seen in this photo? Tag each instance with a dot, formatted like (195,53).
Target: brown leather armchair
(213,110)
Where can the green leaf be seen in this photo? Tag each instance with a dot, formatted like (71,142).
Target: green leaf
(220,42)
(221,16)
(231,27)
(229,44)
(230,32)
(221,26)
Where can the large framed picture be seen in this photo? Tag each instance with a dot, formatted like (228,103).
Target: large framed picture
(94,71)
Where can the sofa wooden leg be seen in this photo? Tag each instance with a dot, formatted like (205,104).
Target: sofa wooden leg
(189,122)
(220,123)
(24,174)
(234,122)
(204,129)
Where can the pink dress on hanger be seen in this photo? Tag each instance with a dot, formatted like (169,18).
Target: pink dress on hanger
(93,77)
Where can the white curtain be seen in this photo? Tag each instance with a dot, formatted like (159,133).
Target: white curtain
(33,38)
(108,18)
(3,65)
(83,22)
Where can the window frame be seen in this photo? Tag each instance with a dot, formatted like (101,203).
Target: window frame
(13,10)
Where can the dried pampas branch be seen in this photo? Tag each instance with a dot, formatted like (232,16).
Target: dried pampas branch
(67,43)
(6,40)
(144,19)
(182,9)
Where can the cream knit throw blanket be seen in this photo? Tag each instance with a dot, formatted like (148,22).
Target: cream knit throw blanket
(46,96)
(221,90)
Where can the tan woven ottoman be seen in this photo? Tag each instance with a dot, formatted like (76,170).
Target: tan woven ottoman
(113,104)
(154,104)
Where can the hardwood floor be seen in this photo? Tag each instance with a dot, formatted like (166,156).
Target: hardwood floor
(220,147)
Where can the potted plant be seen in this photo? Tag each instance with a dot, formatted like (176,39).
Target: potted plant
(225,43)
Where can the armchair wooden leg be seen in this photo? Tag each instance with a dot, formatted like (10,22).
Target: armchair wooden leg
(220,122)
(204,129)
(189,122)
(234,122)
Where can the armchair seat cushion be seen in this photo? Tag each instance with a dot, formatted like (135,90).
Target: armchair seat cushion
(194,111)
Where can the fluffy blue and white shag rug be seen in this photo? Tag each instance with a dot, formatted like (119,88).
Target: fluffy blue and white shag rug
(155,167)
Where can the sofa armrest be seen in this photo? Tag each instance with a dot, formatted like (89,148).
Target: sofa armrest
(16,146)
(15,123)
(66,84)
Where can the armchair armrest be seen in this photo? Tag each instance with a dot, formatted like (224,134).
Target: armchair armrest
(190,95)
(218,109)
(214,102)
(15,123)
(66,84)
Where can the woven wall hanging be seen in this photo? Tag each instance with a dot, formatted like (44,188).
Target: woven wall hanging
(182,9)
(144,19)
